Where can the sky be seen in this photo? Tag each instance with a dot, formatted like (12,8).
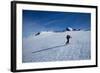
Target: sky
(37,21)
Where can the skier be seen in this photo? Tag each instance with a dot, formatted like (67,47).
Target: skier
(68,37)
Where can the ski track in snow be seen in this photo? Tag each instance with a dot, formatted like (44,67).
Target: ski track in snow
(77,49)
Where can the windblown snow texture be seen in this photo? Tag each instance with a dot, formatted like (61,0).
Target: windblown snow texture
(50,46)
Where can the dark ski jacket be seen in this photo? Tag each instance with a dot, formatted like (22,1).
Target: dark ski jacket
(68,36)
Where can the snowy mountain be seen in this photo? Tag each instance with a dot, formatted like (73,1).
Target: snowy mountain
(69,29)
(50,46)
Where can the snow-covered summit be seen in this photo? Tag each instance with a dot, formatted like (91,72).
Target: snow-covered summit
(69,29)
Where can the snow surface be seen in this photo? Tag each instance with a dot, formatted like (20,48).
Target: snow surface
(50,46)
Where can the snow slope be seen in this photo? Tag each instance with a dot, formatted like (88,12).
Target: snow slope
(34,47)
